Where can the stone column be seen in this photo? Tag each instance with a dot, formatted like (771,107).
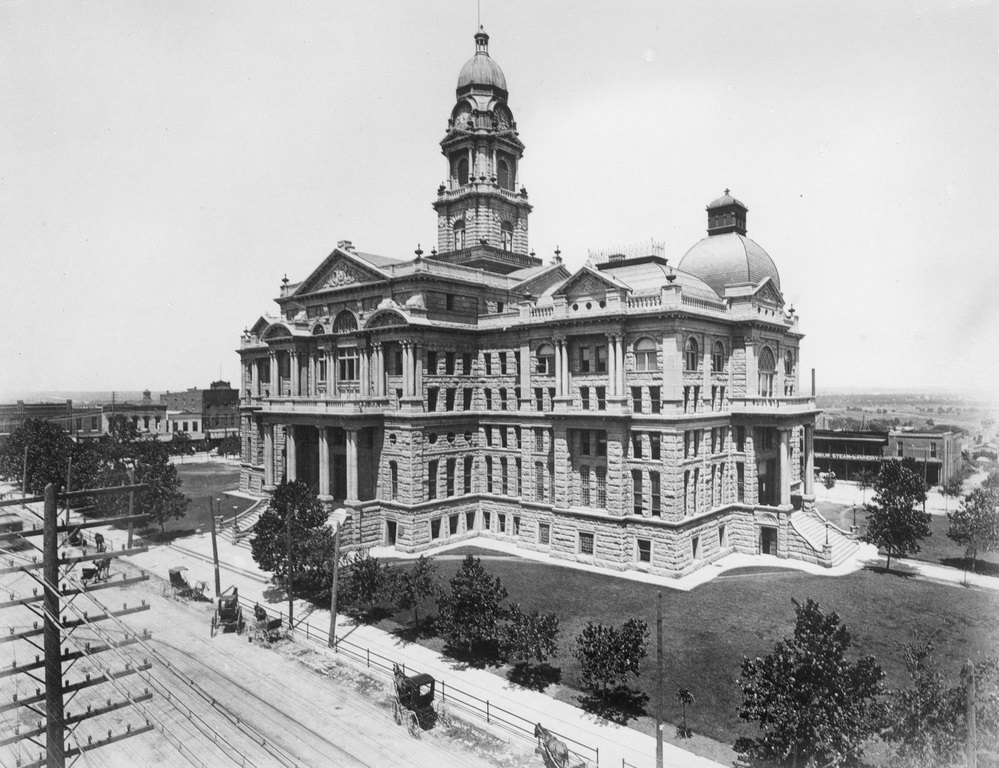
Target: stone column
(566,382)
(313,384)
(331,372)
(525,376)
(351,464)
(611,365)
(324,462)
(407,368)
(275,374)
(291,453)
(752,378)
(558,367)
(255,379)
(672,368)
(418,378)
(365,387)
(706,370)
(379,373)
(619,365)
(269,455)
(809,460)
(785,467)
(293,365)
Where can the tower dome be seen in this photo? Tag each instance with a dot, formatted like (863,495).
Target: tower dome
(481,70)
(726,256)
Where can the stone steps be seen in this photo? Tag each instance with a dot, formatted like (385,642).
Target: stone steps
(813,529)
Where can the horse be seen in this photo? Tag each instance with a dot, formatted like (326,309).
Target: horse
(556,753)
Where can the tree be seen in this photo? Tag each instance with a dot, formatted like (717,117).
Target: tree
(975,523)
(685,699)
(181,444)
(893,521)
(48,447)
(363,581)
(606,654)
(924,721)
(864,479)
(470,609)
(527,637)
(269,545)
(230,445)
(162,498)
(952,488)
(811,703)
(414,585)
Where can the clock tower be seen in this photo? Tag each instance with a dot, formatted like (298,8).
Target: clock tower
(482,208)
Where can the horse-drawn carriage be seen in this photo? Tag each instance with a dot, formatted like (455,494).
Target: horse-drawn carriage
(182,587)
(266,629)
(553,750)
(99,570)
(414,702)
(228,614)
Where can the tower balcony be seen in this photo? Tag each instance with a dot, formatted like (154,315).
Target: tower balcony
(318,406)
(789,406)
(451,190)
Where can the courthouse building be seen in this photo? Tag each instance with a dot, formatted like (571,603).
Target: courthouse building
(631,413)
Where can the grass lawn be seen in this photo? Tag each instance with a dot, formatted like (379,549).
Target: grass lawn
(936,548)
(201,482)
(709,630)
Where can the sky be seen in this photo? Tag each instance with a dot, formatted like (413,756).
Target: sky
(164,164)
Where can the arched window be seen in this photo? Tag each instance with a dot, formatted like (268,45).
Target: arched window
(393,480)
(546,360)
(459,234)
(789,363)
(459,169)
(645,354)
(504,173)
(690,356)
(767,370)
(718,357)
(345,322)
(506,235)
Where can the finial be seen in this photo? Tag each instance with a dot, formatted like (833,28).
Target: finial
(726,190)
(284,280)
(791,310)
(532,253)
(433,251)
(418,252)
(670,277)
(558,255)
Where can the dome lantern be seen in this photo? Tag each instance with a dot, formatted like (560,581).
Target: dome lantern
(726,214)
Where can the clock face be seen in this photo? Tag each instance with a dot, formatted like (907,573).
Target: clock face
(461,116)
(503,117)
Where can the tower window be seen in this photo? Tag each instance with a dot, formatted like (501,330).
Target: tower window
(459,235)
(504,173)
(767,369)
(506,236)
(690,356)
(718,357)
(460,170)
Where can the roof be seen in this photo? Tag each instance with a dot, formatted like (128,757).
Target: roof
(729,259)
(725,200)
(375,260)
(648,276)
(481,69)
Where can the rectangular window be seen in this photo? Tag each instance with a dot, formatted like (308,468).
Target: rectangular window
(432,393)
(740,482)
(539,440)
(504,477)
(601,475)
(321,372)
(539,399)
(488,359)
(516,438)
(601,443)
(432,479)
(585,360)
(501,523)
(601,398)
(551,397)
(435,528)
(643,550)
(431,362)
(655,446)
(95,422)
(466,399)
(502,363)
(450,477)
(449,363)
(584,486)
(489,474)
(722,537)
(636,399)
(468,474)
(79,424)
(544,533)
(487,521)
(740,438)
(449,399)
(586,543)
(466,363)
(655,403)
(516,526)
(584,443)
(898,449)
(539,481)
(469,521)
(584,398)
(488,395)
(520,479)
(502,398)
(636,488)
(347,367)
(449,302)
(394,479)
(452,524)
(695,547)
(655,494)
(933,450)
(636,445)
(601,359)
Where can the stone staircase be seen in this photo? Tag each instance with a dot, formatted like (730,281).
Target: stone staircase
(247,520)
(814,529)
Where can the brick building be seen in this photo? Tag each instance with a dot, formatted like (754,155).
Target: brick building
(211,413)
(629,414)
(81,421)
(844,452)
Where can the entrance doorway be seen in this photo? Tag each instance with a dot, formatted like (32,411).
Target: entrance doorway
(339,489)
(390,530)
(768,540)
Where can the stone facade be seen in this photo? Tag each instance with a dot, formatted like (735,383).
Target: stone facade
(626,415)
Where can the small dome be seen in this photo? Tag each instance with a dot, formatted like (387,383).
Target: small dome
(725,200)
(481,70)
(729,259)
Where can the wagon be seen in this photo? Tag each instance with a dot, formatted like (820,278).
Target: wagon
(99,571)
(267,629)
(228,615)
(182,587)
(414,702)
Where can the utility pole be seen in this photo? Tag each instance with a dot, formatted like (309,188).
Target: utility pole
(131,504)
(660,702)
(54,719)
(288,580)
(24,475)
(339,517)
(69,476)
(971,748)
(215,548)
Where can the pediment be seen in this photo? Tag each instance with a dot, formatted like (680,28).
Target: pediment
(588,283)
(338,270)
(768,292)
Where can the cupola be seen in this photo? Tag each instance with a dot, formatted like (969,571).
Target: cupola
(726,214)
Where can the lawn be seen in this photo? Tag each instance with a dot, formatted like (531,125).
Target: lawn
(709,630)
(936,548)
(201,482)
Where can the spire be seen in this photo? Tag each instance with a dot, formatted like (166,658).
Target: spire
(482,41)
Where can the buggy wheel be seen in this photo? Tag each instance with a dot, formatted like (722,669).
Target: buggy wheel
(413,726)
(397,713)
(215,624)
